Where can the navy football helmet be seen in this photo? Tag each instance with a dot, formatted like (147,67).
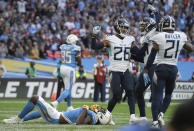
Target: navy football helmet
(167,23)
(121,27)
(146,25)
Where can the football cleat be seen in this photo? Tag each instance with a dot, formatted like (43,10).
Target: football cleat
(13,120)
(133,119)
(161,119)
(112,122)
(69,108)
(149,104)
(54,104)
(143,119)
(155,124)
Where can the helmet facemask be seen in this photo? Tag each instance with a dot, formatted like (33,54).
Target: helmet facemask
(167,24)
(124,30)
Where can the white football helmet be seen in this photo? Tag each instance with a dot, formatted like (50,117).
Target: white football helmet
(104,118)
(72,39)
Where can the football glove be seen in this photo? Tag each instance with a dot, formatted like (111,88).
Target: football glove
(86,107)
(146,79)
(152,10)
(96,30)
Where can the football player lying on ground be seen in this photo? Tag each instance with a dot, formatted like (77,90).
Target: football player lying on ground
(95,115)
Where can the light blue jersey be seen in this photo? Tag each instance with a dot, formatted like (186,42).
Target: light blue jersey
(68,54)
(73,115)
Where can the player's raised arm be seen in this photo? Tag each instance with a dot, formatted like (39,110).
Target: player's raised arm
(98,45)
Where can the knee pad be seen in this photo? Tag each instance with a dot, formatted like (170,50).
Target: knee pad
(34,99)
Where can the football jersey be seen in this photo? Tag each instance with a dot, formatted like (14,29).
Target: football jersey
(146,39)
(73,115)
(119,52)
(68,54)
(170,45)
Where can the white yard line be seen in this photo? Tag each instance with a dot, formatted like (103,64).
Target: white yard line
(172,103)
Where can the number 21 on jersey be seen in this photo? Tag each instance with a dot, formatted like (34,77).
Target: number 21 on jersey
(121,53)
(174,46)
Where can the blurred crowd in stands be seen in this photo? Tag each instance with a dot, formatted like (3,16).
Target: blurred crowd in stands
(36,28)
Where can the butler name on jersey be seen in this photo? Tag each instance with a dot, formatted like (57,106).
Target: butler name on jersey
(119,52)
(170,45)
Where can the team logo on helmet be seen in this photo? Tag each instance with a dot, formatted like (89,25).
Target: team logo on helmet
(167,23)
(72,39)
(146,25)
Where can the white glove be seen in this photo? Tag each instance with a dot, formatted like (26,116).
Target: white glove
(96,30)
(152,8)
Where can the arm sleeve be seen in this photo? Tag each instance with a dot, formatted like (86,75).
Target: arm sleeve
(155,40)
(96,45)
(136,58)
(139,53)
(151,58)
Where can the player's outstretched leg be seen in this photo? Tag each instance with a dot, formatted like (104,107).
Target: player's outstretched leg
(113,101)
(31,116)
(69,80)
(116,90)
(157,91)
(64,95)
(27,108)
(69,104)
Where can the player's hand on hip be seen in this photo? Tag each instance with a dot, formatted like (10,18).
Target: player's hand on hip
(96,30)
(146,78)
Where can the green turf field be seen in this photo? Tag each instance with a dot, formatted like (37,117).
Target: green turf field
(11,107)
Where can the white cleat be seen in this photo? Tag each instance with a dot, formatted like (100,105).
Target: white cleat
(161,119)
(54,104)
(143,119)
(13,120)
(69,108)
(133,119)
(155,124)
(149,104)
(112,122)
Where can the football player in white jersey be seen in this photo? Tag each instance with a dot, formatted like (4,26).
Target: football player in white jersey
(119,46)
(167,45)
(148,28)
(70,58)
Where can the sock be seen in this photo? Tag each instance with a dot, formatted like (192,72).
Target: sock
(69,101)
(33,115)
(64,94)
(27,108)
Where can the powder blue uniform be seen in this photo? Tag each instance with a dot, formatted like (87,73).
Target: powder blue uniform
(67,69)
(68,54)
(72,116)
(50,114)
